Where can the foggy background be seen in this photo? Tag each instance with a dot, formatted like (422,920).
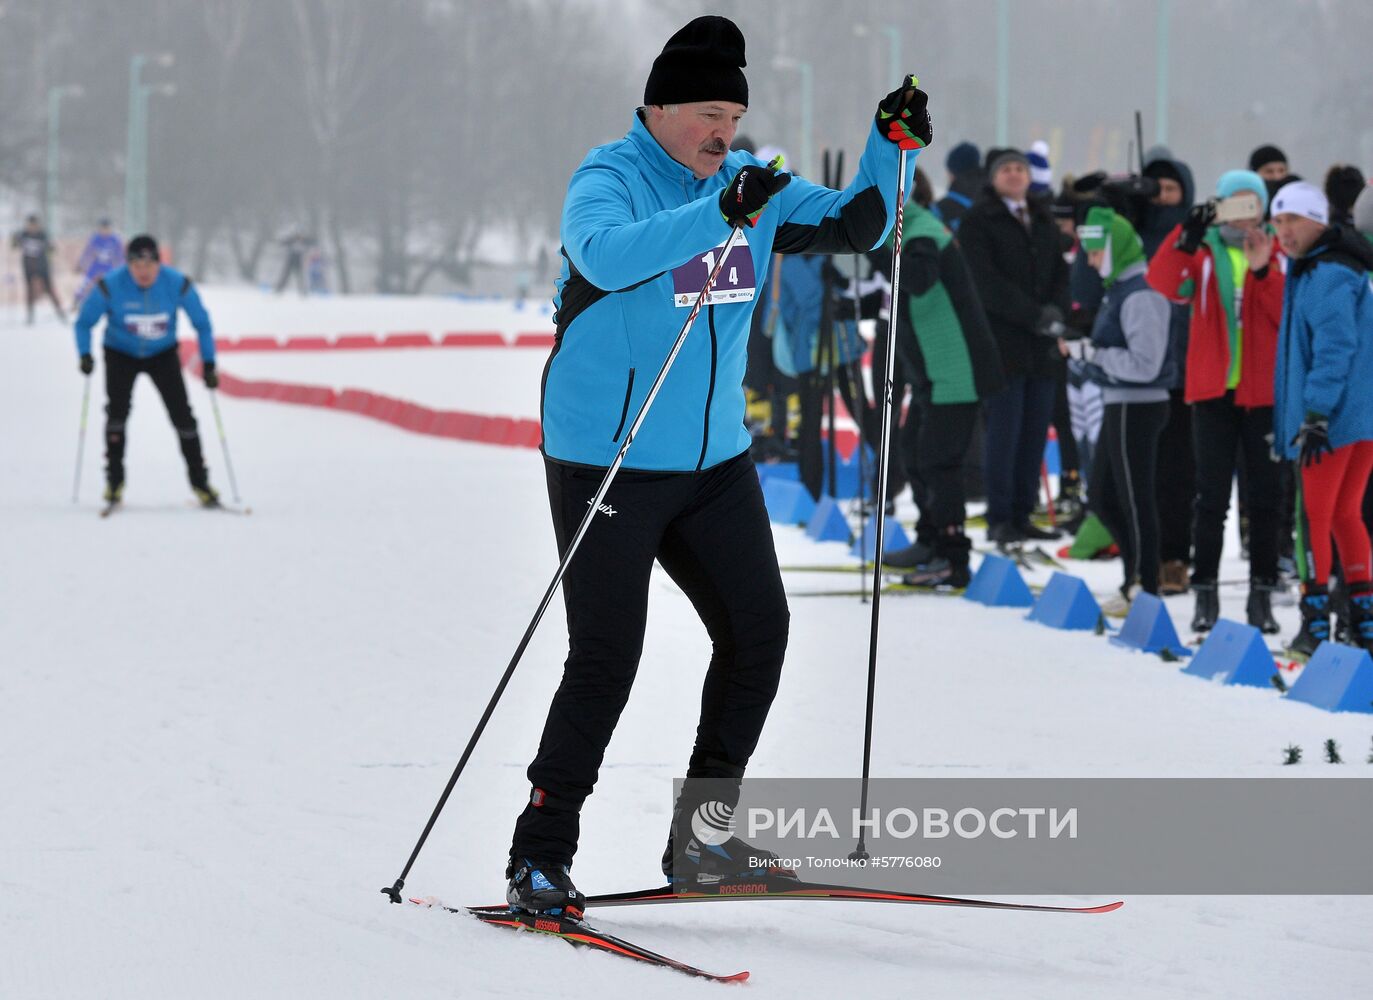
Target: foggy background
(426,144)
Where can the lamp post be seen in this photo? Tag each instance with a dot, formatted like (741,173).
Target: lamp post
(136,161)
(807,109)
(1003,59)
(1161,73)
(55,95)
(893,33)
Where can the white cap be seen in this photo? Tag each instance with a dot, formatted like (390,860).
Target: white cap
(1301,198)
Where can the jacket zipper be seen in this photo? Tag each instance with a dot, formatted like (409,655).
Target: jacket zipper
(624,411)
(710,392)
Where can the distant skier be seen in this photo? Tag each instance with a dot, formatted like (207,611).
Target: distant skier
(643,219)
(297,245)
(104,252)
(140,303)
(35,248)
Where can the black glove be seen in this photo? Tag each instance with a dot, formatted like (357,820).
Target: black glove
(745,197)
(1314,439)
(211,377)
(903,116)
(1194,226)
(87,364)
(1050,322)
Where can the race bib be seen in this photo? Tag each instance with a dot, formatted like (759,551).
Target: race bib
(149,326)
(736,283)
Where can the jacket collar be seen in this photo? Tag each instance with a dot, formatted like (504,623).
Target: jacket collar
(654,155)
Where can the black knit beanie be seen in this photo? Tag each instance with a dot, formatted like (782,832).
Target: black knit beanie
(1265,155)
(701,62)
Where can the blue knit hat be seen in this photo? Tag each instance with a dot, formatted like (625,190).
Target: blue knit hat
(963,158)
(1234,181)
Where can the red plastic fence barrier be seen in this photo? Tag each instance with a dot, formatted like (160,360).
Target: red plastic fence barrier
(534,340)
(486,338)
(307,342)
(407,340)
(356,341)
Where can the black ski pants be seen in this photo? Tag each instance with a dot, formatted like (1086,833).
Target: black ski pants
(1223,432)
(165,370)
(934,446)
(709,531)
(1176,482)
(1123,489)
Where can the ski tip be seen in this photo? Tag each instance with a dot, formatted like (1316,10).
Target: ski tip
(1105,907)
(738,977)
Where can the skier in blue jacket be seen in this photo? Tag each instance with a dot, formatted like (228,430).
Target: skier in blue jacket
(644,218)
(104,252)
(139,302)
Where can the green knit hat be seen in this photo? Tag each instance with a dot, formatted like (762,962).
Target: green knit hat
(1104,229)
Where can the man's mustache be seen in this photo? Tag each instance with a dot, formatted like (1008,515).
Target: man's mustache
(714,147)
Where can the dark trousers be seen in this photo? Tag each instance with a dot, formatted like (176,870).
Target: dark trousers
(1176,482)
(1222,432)
(165,370)
(37,283)
(1123,488)
(710,532)
(1068,458)
(934,445)
(1017,425)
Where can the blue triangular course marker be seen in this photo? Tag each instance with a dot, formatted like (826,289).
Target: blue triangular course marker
(788,502)
(1149,628)
(1067,603)
(893,538)
(1234,654)
(828,523)
(998,584)
(1337,678)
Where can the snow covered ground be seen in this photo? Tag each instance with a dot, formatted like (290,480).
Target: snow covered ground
(220,735)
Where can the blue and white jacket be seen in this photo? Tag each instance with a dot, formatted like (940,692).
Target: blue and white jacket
(141,322)
(639,234)
(1325,343)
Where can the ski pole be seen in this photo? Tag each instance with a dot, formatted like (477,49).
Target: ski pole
(393,891)
(81,438)
(1048,494)
(224,443)
(880,500)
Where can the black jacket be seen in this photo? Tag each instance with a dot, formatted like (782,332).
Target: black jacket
(1017,272)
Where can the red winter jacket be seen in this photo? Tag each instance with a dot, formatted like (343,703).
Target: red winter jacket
(1190,278)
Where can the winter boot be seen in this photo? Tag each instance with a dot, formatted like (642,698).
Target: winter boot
(1033,531)
(701,846)
(1342,630)
(938,574)
(1315,620)
(1006,538)
(542,887)
(1258,610)
(1207,607)
(910,557)
(1172,578)
(206,495)
(114,492)
(1361,615)
(1119,605)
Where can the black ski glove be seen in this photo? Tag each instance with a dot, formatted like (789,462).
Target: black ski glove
(1313,439)
(903,116)
(211,376)
(87,364)
(1050,322)
(1199,217)
(745,197)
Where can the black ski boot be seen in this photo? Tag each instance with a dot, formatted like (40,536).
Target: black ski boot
(1207,607)
(910,557)
(1259,608)
(1315,620)
(542,887)
(938,574)
(206,494)
(701,846)
(1361,615)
